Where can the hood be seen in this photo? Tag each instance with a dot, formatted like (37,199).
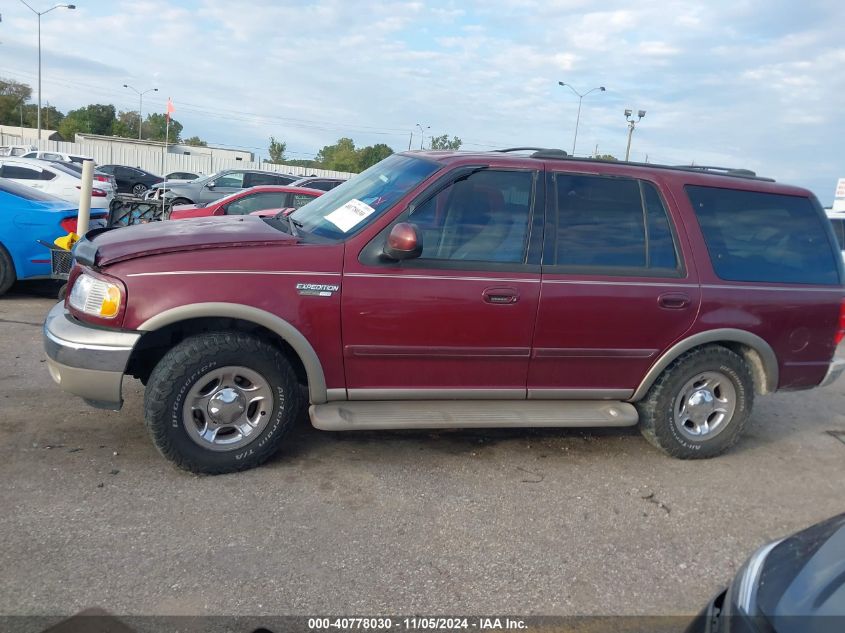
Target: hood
(104,247)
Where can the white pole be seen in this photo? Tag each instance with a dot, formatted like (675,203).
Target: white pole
(163,169)
(85,197)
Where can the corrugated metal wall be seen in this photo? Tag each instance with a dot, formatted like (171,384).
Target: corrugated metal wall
(157,162)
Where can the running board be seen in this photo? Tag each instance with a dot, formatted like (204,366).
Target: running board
(452,414)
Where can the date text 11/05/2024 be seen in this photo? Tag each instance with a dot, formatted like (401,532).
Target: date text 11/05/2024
(417,623)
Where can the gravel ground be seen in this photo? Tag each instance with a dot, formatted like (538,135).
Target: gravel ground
(553,522)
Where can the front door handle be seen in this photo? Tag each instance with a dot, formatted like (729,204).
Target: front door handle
(500,295)
(674,301)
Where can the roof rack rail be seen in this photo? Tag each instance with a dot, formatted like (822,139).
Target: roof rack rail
(521,149)
(730,171)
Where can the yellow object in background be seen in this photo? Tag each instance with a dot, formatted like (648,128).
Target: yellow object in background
(66,241)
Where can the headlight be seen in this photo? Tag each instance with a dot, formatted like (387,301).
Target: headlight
(95,297)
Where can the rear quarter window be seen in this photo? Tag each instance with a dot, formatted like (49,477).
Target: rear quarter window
(765,237)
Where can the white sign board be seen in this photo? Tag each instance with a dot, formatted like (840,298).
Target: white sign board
(840,188)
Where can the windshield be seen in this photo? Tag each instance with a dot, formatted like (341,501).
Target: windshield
(359,201)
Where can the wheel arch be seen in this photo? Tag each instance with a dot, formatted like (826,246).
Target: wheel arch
(755,351)
(286,333)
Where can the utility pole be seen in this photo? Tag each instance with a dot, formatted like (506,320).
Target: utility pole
(632,124)
(410,140)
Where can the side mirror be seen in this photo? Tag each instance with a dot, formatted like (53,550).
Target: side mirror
(403,242)
(210,185)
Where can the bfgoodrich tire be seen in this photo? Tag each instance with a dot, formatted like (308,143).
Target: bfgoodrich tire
(221,402)
(698,406)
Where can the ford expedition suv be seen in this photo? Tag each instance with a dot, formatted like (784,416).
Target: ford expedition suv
(448,289)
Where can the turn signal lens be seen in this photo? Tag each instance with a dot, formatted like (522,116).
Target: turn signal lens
(840,332)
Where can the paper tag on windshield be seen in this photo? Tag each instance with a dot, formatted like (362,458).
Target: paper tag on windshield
(350,214)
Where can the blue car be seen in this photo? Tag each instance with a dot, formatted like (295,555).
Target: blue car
(26,216)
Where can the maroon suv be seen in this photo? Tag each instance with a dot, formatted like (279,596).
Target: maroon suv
(443,289)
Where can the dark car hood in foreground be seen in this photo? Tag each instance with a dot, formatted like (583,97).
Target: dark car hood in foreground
(105,247)
(804,575)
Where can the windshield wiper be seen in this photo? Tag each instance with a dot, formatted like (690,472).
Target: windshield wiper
(293,225)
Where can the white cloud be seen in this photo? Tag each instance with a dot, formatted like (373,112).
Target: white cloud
(748,83)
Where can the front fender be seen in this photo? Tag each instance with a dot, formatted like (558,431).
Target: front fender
(285,331)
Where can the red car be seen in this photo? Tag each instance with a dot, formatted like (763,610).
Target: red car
(246,201)
(455,289)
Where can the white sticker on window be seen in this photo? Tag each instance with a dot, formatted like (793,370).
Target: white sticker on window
(350,214)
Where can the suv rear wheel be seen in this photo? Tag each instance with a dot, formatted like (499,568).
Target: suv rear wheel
(221,402)
(699,405)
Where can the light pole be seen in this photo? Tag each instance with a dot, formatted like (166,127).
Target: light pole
(140,104)
(631,125)
(39,14)
(580,97)
(422,133)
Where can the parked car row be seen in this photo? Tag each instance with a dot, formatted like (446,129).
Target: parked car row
(58,179)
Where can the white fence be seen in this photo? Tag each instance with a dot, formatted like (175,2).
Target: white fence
(156,161)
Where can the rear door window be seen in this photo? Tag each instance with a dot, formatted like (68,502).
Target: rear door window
(19,172)
(610,225)
(765,237)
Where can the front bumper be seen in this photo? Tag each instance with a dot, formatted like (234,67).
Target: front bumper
(85,360)
(837,366)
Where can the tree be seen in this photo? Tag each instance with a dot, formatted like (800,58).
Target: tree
(96,118)
(340,157)
(126,124)
(608,157)
(277,150)
(155,125)
(101,117)
(370,155)
(12,95)
(195,141)
(75,122)
(443,142)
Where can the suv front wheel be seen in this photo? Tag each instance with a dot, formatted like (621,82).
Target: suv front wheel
(699,405)
(221,402)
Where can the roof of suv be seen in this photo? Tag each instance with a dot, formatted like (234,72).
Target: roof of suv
(693,174)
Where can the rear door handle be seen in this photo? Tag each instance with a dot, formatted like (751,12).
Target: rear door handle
(500,295)
(673,301)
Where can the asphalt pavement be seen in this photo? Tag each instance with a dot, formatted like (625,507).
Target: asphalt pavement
(551,522)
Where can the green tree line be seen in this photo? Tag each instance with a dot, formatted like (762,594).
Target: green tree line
(344,156)
(95,118)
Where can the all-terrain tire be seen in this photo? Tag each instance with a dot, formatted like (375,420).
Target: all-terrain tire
(657,410)
(184,366)
(7,271)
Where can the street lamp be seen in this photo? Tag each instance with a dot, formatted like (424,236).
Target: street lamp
(631,125)
(580,97)
(140,103)
(422,133)
(39,14)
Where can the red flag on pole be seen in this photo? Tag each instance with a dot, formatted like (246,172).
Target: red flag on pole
(170,108)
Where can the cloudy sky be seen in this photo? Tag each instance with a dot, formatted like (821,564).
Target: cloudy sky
(746,83)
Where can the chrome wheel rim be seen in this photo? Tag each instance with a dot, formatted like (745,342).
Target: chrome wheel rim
(138,189)
(705,405)
(227,408)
